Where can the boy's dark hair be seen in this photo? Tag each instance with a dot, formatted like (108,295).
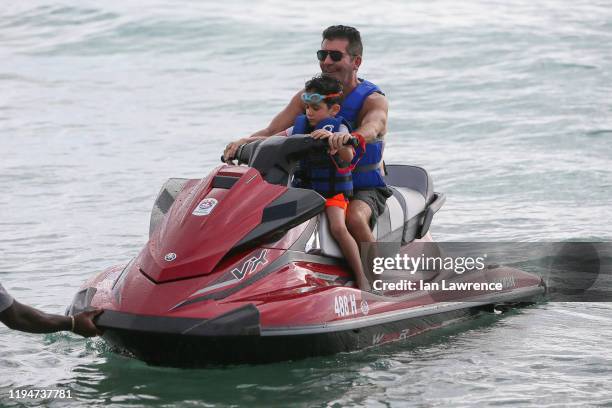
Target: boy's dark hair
(351,34)
(325,85)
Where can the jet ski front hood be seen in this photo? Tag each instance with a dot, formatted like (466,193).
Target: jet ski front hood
(208,218)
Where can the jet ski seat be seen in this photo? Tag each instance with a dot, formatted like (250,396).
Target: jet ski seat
(403,218)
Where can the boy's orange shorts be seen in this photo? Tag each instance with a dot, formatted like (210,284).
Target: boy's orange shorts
(337,201)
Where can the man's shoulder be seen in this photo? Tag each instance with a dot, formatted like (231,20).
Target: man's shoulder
(369,86)
(375,101)
(375,93)
(377,96)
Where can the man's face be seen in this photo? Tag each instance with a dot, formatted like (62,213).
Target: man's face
(341,70)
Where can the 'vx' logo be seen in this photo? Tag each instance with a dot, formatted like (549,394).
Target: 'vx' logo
(250,265)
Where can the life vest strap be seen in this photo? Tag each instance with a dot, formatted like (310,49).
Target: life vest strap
(366,167)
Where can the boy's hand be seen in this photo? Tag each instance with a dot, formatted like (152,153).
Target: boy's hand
(321,134)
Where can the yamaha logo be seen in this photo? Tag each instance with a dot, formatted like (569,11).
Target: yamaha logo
(365,309)
(171,256)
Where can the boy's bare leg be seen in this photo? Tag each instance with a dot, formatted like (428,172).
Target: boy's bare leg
(337,225)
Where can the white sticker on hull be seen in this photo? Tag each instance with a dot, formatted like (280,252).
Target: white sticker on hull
(205,207)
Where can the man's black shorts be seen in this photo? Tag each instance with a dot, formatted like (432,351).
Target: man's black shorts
(375,198)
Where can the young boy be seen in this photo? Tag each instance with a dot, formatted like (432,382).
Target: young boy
(328,173)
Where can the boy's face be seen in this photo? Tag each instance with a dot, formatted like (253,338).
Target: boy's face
(316,112)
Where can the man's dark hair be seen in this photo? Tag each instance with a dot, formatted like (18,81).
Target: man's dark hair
(325,85)
(351,34)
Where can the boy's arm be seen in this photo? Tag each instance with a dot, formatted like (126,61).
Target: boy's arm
(346,154)
(287,132)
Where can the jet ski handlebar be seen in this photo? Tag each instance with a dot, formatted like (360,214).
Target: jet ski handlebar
(246,151)
(323,143)
(276,157)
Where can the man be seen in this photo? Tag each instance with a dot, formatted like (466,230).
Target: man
(25,318)
(340,57)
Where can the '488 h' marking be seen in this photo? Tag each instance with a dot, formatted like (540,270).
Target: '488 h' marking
(345,305)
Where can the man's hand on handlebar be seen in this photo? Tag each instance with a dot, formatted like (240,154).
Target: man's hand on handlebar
(230,150)
(339,140)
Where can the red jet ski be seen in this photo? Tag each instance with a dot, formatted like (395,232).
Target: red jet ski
(240,267)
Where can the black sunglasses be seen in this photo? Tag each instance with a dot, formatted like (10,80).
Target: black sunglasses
(334,55)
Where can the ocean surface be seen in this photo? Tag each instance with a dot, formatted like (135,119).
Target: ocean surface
(508,104)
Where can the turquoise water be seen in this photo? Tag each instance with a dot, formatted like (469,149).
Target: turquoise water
(507,104)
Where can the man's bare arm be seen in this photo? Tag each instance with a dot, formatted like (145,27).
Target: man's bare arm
(372,121)
(282,121)
(373,117)
(285,118)
(26,318)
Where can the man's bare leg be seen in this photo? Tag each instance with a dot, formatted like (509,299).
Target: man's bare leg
(358,224)
(337,225)
(358,221)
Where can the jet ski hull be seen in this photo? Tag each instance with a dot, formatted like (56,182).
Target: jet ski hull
(228,280)
(192,351)
(239,337)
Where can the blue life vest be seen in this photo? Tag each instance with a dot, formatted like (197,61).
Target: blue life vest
(367,172)
(317,171)
(302,127)
(353,102)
